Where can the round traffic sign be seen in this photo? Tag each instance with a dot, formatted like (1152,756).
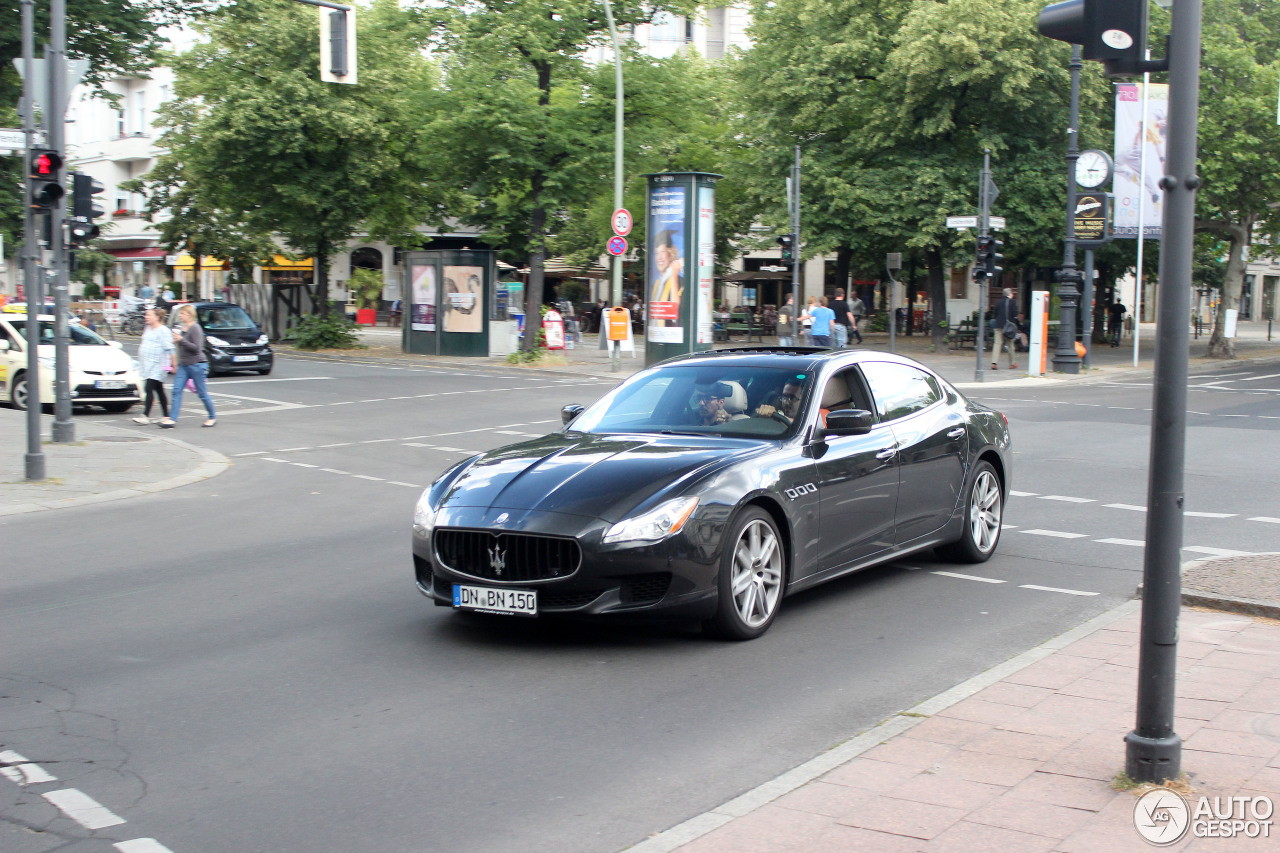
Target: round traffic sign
(622,222)
(617,245)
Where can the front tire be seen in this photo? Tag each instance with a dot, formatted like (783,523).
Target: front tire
(18,392)
(117,408)
(984,514)
(750,582)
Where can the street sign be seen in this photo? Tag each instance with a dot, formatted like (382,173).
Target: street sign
(963,222)
(622,222)
(12,139)
(617,245)
(1093,215)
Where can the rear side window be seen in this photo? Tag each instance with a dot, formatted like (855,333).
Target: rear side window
(900,389)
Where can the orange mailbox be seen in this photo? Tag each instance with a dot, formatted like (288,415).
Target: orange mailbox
(619,324)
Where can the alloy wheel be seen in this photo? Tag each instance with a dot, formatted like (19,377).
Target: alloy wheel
(757,573)
(985,511)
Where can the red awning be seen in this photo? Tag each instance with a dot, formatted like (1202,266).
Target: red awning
(138,254)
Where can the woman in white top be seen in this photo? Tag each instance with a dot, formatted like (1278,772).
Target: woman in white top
(155,361)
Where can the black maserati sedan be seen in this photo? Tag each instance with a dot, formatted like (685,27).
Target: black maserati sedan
(710,486)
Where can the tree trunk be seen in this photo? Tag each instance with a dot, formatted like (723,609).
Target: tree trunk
(843,258)
(937,297)
(321,287)
(1232,284)
(537,278)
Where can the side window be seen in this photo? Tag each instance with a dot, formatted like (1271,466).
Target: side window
(899,389)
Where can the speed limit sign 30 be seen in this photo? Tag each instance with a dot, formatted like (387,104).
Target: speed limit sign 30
(622,222)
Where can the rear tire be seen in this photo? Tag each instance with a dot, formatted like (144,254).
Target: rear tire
(983,516)
(751,578)
(18,392)
(264,372)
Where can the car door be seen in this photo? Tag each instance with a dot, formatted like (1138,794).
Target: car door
(932,443)
(10,358)
(857,478)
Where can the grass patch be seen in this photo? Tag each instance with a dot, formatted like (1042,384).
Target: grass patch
(1123,782)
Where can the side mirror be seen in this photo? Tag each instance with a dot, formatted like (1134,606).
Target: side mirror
(571,411)
(4,346)
(848,422)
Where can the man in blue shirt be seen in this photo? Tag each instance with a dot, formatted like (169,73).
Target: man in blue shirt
(823,317)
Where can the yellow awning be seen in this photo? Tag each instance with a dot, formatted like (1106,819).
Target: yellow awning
(280,262)
(186,262)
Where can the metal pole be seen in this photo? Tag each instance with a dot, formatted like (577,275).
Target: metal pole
(1065,359)
(34,458)
(1142,214)
(984,224)
(64,429)
(616,295)
(1086,308)
(795,249)
(1153,748)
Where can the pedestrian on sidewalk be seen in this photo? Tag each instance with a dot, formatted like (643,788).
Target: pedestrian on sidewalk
(1004,326)
(155,362)
(823,319)
(858,309)
(844,319)
(786,316)
(1115,321)
(806,322)
(192,365)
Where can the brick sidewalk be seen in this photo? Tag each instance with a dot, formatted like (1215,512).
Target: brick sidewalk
(1026,763)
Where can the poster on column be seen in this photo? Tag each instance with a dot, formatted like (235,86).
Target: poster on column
(666,264)
(463,306)
(703,320)
(423,291)
(1139,157)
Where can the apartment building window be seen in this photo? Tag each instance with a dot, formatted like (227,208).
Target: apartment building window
(140,113)
(120,127)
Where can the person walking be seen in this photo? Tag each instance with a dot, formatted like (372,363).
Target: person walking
(844,319)
(192,365)
(858,309)
(1115,321)
(155,362)
(1004,325)
(823,319)
(806,322)
(786,317)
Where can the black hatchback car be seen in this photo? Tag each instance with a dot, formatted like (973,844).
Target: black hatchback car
(712,485)
(232,341)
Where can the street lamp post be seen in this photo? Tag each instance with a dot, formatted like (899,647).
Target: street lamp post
(616,294)
(1065,358)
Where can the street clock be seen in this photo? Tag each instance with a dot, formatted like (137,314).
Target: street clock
(1093,168)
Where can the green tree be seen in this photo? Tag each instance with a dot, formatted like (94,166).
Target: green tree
(522,133)
(281,152)
(1239,142)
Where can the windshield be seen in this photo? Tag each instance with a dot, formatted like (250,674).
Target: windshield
(79,336)
(224,318)
(716,399)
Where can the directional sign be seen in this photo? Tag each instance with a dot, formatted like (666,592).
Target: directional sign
(12,139)
(622,222)
(617,245)
(996,222)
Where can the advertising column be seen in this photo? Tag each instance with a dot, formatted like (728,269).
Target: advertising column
(680,215)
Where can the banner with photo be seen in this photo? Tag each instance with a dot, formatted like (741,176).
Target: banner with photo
(704,321)
(422,287)
(666,264)
(463,306)
(1139,157)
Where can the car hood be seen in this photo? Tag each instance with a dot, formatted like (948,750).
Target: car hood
(600,476)
(236,336)
(93,358)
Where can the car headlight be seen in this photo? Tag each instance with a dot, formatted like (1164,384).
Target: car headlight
(424,517)
(654,525)
(263,339)
(216,341)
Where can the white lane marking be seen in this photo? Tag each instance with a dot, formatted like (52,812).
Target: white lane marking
(273,459)
(1256,378)
(1209,514)
(1224,415)
(375,400)
(968,577)
(1216,552)
(1126,408)
(1266,519)
(222,382)
(1055,589)
(289,449)
(304,464)
(335,471)
(252,453)
(376,440)
(410,397)
(1126,506)
(1057,533)
(452,449)
(367,477)
(1014,494)
(1139,543)
(1009,526)
(398,483)
(509,432)
(22,771)
(344,403)
(141,845)
(1067,499)
(338,444)
(82,808)
(417,444)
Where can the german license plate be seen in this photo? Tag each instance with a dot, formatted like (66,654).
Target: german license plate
(244,358)
(486,599)
(110,384)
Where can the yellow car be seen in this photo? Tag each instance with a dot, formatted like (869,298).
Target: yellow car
(100,372)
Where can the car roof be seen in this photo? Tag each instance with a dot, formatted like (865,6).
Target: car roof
(808,358)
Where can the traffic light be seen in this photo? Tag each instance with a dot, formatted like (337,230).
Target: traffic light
(46,178)
(83,209)
(980,263)
(1111,31)
(995,258)
(788,244)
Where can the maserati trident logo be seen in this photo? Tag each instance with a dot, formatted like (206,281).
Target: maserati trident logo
(497,559)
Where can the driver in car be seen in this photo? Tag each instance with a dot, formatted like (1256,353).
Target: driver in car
(709,404)
(785,402)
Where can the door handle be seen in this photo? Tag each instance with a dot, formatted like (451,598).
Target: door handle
(956,433)
(887,453)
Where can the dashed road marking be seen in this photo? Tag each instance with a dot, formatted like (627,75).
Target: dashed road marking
(1055,589)
(22,771)
(1216,552)
(1126,506)
(1266,519)
(1194,514)
(1067,499)
(141,845)
(1014,494)
(1035,531)
(82,808)
(1135,542)
(964,577)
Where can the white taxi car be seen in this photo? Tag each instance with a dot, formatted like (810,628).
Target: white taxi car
(101,373)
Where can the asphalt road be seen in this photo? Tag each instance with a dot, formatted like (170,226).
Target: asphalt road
(245,664)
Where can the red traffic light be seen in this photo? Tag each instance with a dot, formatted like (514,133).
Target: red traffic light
(45,164)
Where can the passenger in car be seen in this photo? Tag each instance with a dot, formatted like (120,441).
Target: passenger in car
(708,403)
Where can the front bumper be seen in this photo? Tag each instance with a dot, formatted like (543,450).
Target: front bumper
(254,357)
